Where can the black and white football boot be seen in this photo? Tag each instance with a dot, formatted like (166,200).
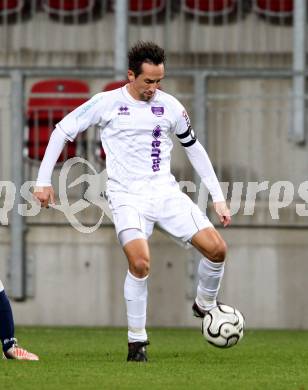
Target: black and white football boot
(197,311)
(200,313)
(137,351)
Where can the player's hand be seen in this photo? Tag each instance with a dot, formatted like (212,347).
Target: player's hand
(223,213)
(45,195)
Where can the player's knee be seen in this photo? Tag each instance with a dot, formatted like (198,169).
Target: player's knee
(219,251)
(140,267)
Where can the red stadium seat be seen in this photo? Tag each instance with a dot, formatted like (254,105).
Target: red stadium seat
(100,152)
(274,7)
(9,7)
(146,7)
(49,102)
(209,7)
(68,7)
(114,85)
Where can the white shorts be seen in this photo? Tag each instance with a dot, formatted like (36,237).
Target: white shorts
(175,213)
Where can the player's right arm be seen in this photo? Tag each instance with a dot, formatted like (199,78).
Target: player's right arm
(45,195)
(43,190)
(66,130)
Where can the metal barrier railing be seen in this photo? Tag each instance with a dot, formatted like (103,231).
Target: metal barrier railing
(4,129)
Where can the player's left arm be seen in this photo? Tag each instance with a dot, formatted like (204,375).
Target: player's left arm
(201,162)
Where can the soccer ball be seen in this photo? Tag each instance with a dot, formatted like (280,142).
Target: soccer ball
(223,326)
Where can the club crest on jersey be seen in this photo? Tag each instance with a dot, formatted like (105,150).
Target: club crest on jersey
(158,111)
(155,153)
(123,110)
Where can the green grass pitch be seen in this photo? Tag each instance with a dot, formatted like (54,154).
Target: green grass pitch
(94,358)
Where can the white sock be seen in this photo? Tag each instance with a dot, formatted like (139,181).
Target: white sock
(210,274)
(135,294)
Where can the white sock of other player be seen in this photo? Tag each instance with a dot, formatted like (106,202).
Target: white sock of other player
(135,294)
(210,275)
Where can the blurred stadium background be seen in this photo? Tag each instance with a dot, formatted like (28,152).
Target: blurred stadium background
(239,66)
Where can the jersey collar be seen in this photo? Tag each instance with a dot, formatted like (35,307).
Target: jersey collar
(134,101)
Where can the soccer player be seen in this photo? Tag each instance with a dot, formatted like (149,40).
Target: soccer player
(136,122)
(9,344)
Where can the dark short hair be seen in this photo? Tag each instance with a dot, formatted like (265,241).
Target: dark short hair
(142,52)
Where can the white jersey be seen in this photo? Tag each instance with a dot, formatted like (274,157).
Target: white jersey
(135,136)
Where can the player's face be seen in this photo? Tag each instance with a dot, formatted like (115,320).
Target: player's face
(143,87)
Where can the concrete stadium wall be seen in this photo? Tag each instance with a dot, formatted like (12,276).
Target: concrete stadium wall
(78,278)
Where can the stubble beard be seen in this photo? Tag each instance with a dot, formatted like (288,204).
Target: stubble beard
(145,98)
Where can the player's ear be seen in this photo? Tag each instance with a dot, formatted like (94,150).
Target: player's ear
(130,75)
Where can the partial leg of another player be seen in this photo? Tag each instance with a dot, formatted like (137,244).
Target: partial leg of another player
(9,344)
(211,268)
(135,292)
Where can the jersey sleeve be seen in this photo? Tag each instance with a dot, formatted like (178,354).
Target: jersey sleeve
(88,114)
(200,160)
(195,152)
(183,129)
(54,148)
